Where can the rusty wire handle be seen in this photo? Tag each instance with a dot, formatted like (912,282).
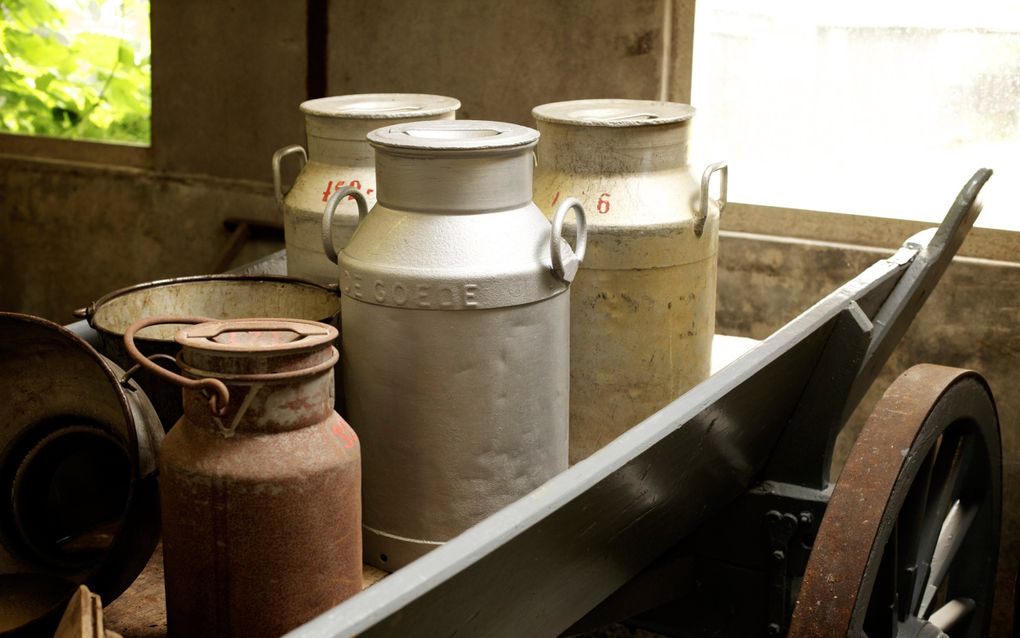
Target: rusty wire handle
(219,396)
(277,160)
(706,181)
(327,218)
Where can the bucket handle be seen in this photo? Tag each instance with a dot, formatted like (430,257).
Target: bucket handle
(565,268)
(706,181)
(327,218)
(216,390)
(277,160)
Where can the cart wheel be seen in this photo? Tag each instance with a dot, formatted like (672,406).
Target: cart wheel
(909,540)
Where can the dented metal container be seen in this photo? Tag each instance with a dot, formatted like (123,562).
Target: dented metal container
(79,500)
(456,332)
(338,156)
(643,307)
(259,480)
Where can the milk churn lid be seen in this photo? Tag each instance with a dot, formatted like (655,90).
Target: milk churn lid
(459,135)
(613,113)
(381,106)
(277,336)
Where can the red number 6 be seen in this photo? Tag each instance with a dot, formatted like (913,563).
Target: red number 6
(602,205)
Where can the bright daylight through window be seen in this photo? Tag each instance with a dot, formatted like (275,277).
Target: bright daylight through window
(871,107)
(76,69)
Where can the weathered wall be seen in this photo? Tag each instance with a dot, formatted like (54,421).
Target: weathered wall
(70,233)
(227,77)
(501,58)
(227,80)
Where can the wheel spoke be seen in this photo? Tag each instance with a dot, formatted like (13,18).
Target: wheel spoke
(949,462)
(909,526)
(948,615)
(954,531)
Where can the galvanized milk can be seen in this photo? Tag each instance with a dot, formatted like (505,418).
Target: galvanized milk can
(456,332)
(260,479)
(643,308)
(338,156)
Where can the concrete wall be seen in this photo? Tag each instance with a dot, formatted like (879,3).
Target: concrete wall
(500,58)
(78,220)
(228,77)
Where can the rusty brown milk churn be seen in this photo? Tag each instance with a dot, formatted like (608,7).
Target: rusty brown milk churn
(259,480)
(643,304)
(456,332)
(338,156)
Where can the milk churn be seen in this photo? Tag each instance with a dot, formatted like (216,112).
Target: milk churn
(259,480)
(339,156)
(456,332)
(643,307)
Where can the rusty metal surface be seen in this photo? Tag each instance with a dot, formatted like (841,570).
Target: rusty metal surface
(229,296)
(77,471)
(888,457)
(262,504)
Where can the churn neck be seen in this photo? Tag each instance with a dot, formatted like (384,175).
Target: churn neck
(462,166)
(257,360)
(613,136)
(336,126)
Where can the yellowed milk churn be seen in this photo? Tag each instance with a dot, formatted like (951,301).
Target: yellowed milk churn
(643,304)
(338,156)
(456,332)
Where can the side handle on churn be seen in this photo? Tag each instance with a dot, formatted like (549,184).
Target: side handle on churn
(327,218)
(565,267)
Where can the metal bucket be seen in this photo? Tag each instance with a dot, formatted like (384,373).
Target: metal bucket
(212,296)
(78,452)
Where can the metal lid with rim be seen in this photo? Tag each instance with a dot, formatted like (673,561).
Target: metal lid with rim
(454,135)
(271,336)
(613,113)
(380,106)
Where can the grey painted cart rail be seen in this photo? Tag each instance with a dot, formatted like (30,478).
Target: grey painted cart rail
(765,424)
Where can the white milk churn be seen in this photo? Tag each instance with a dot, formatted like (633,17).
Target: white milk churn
(643,307)
(338,156)
(456,332)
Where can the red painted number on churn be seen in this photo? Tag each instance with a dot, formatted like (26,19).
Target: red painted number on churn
(331,188)
(602,205)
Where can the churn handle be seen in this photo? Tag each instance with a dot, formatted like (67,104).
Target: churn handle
(277,160)
(706,180)
(219,395)
(327,218)
(566,270)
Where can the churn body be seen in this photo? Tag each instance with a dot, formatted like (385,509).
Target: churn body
(643,306)
(456,335)
(338,156)
(261,505)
